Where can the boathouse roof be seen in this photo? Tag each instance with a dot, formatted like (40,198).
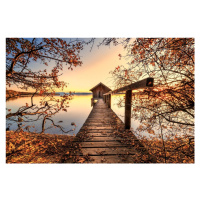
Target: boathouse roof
(99,85)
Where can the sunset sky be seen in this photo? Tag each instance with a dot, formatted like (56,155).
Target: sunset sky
(97,63)
(96,67)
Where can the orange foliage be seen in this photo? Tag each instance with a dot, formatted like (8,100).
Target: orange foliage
(23,147)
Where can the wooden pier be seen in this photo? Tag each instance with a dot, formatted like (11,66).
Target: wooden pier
(100,141)
(104,138)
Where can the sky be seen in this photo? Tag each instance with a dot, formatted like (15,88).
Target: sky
(97,63)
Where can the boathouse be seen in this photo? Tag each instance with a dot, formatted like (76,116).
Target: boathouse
(99,90)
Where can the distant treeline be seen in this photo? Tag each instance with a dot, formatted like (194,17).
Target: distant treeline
(15,94)
(76,93)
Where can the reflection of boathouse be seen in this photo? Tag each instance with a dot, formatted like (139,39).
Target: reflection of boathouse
(99,90)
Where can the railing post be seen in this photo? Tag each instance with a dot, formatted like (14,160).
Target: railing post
(92,101)
(128,99)
(145,83)
(109,101)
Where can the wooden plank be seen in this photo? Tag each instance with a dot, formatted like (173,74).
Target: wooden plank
(147,82)
(111,159)
(99,134)
(99,118)
(108,151)
(100,125)
(102,139)
(99,128)
(110,144)
(99,122)
(96,131)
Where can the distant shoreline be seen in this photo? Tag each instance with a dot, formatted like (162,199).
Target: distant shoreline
(16,94)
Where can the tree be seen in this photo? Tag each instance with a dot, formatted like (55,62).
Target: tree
(20,53)
(169,106)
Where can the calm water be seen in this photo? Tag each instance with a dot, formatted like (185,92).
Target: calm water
(78,111)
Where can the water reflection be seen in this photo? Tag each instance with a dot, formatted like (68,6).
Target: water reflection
(78,111)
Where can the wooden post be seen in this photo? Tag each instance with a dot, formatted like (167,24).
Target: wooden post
(92,101)
(145,83)
(109,101)
(128,99)
(106,99)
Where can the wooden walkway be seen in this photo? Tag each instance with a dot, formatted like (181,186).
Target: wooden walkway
(102,139)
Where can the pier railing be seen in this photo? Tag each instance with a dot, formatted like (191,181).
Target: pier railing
(145,83)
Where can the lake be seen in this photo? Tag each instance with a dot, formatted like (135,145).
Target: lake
(78,111)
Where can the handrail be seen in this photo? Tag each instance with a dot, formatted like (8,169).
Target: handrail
(147,82)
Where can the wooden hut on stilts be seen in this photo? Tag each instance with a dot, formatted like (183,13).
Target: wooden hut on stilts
(98,92)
